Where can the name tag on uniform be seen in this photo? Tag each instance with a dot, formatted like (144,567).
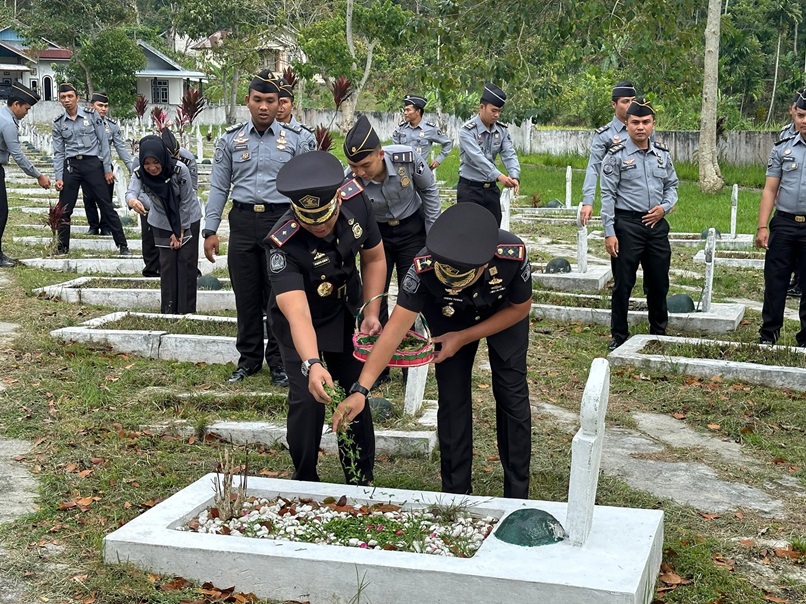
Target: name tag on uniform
(320,259)
(241,147)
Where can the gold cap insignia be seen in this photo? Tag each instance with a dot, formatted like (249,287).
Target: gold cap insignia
(309,201)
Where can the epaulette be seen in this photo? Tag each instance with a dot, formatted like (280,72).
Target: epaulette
(601,129)
(432,124)
(111,121)
(615,148)
(402,123)
(89,109)
(235,127)
(304,127)
(423,263)
(350,189)
(784,140)
(285,232)
(511,251)
(661,146)
(469,125)
(58,117)
(294,129)
(403,156)
(502,124)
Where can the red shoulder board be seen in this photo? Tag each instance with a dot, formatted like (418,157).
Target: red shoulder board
(511,251)
(423,264)
(350,189)
(285,232)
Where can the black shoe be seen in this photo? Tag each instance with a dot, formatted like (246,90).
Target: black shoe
(279,376)
(767,341)
(124,251)
(240,374)
(105,233)
(615,343)
(151,274)
(62,251)
(93,231)
(5,261)
(794,291)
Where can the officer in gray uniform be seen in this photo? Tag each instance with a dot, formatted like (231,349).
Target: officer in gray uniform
(100,102)
(789,131)
(285,115)
(785,237)
(420,135)
(81,157)
(639,187)
(612,133)
(20,100)
(247,159)
(403,193)
(481,140)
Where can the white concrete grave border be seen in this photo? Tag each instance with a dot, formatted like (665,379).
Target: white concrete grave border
(776,376)
(99,244)
(611,557)
(120,265)
(700,258)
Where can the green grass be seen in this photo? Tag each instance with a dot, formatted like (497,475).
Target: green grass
(174,326)
(743,353)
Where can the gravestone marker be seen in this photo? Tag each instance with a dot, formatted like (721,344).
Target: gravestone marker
(708,288)
(582,243)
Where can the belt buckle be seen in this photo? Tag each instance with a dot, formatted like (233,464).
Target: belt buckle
(393,223)
(79,157)
(259,208)
(800,218)
(486,185)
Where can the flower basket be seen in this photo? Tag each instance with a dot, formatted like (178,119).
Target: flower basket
(413,351)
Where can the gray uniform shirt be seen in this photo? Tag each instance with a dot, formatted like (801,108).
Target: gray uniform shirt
(307,135)
(636,180)
(408,186)
(115,138)
(786,163)
(189,210)
(10,143)
(248,163)
(421,138)
(187,158)
(610,134)
(84,135)
(478,148)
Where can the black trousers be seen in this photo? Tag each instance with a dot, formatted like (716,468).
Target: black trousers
(246,259)
(94,219)
(3,205)
(513,416)
(650,247)
(151,255)
(179,274)
(487,197)
(306,418)
(787,249)
(88,171)
(400,245)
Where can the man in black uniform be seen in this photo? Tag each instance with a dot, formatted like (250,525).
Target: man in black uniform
(316,293)
(81,157)
(471,281)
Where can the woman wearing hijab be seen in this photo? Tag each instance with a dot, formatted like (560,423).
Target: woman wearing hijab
(161,189)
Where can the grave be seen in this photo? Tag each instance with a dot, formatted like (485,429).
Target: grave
(80,291)
(582,278)
(611,555)
(737,259)
(96,244)
(631,353)
(120,265)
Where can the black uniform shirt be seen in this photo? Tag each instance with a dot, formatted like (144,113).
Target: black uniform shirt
(325,269)
(507,279)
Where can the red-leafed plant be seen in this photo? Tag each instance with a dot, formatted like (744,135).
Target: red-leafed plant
(140,106)
(56,217)
(341,88)
(290,77)
(159,118)
(193,103)
(324,140)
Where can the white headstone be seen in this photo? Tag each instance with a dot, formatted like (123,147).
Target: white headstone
(120,185)
(582,243)
(707,290)
(734,208)
(415,390)
(506,207)
(199,145)
(568,174)
(586,453)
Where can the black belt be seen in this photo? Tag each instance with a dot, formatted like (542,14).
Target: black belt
(259,208)
(630,213)
(475,183)
(82,157)
(793,217)
(401,222)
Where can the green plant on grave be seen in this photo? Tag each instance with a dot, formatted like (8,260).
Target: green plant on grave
(344,435)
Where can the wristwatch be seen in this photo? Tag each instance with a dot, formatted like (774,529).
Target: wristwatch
(356,387)
(306,366)
(207,233)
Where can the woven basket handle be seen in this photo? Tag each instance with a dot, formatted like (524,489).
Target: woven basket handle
(360,314)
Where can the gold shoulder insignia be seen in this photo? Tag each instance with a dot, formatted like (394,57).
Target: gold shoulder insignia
(403,156)
(423,263)
(511,251)
(285,232)
(469,125)
(615,148)
(350,189)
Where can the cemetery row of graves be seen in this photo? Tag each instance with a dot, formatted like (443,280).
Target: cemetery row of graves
(692,446)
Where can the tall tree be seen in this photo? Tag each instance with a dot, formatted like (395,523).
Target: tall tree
(710,176)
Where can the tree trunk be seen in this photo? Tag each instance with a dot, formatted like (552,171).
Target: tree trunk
(348,108)
(233,100)
(710,175)
(774,81)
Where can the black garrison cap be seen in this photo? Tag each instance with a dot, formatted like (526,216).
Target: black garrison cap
(311,181)
(800,102)
(23,94)
(67,87)
(640,107)
(99,97)
(463,238)
(361,140)
(493,95)
(286,90)
(265,82)
(622,89)
(416,100)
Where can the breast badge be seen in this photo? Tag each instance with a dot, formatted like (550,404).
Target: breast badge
(325,289)
(357,231)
